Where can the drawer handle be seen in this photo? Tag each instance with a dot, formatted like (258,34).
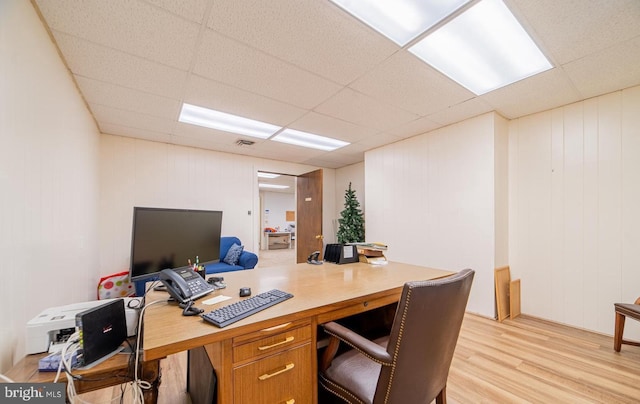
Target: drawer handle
(292,401)
(277,327)
(270,375)
(265,347)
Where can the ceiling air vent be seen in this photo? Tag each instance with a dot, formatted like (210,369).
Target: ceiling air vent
(242,142)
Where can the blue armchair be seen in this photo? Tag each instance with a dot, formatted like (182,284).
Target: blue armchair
(248,260)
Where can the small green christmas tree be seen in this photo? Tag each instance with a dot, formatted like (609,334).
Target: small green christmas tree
(351,229)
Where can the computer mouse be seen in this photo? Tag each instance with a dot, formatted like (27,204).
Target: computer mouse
(245,292)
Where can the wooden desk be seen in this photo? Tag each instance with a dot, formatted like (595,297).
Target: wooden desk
(277,240)
(112,372)
(278,343)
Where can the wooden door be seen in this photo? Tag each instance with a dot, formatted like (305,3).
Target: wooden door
(309,210)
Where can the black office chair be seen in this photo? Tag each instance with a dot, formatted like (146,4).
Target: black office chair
(411,365)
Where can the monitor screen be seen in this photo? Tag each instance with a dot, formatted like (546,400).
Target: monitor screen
(169,238)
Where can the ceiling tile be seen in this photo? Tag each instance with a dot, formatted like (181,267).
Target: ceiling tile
(202,144)
(331,127)
(320,162)
(357,148)
(214,135)
(279,147)
(342,158)
(104,64)
(460,112)
(408,83)
(284,151)
(119,130)
(541,92)
(132,26)
(114,116)
(309,65)
(258,151)
(193,10)
(572,29)
(352,106)
(413,128)
(616,68)
(376,141)
(305,33)
(230,62)
(225,98)
(107,94)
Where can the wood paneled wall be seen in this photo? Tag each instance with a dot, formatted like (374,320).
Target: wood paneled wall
(574,178)
(432,199)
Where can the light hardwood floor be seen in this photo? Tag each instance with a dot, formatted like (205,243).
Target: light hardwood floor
(531,360)
(525,360)
(270,258)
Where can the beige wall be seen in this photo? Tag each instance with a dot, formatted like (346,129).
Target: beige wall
(48,180)
(432,199)
(67,192)
(142,173)
(574,216)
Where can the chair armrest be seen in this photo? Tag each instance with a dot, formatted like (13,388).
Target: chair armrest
(248,260)
(367,347)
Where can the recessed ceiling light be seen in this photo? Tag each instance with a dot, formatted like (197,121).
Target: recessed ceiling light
(267,175)
(274,186)
(210,118)
(483,48)
(305,139)
(400,20)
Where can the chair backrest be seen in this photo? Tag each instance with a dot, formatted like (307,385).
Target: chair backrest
(423,338)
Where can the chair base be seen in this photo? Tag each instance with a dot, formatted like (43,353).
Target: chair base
(618,340)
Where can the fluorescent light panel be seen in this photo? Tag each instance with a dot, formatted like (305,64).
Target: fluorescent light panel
(483,49)
(400,20)
(267,175)
(304,139)
(274,186)
(210,118)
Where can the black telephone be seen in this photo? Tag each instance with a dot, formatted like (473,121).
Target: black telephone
(184,284)
(313,258)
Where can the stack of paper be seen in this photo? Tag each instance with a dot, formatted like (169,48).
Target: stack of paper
(372,253)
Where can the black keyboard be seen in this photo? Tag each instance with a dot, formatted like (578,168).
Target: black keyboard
(226,315)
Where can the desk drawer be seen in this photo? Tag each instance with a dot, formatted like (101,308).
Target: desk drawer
(272,344)
(282,378)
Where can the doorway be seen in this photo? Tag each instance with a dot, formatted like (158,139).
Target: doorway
(303,224)
(277,228)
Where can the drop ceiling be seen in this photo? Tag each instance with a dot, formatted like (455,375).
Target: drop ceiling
(310,66)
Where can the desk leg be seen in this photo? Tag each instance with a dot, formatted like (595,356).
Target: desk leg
(151,372)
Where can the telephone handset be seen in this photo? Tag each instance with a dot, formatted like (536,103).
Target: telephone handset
(176,285)
(313,258)
(184,284)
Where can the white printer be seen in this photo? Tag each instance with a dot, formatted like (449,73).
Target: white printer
(48,331)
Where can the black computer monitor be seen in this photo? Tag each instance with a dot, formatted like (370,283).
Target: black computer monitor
(169,238)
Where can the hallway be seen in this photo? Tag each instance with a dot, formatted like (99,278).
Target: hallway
(270,258)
